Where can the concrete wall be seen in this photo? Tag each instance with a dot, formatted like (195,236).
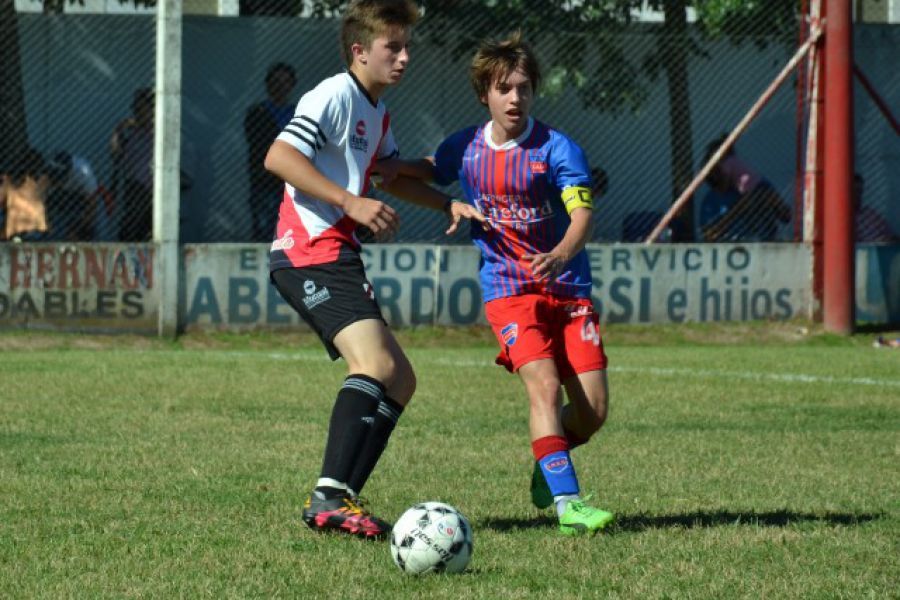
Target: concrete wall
(99,287)
(112,287)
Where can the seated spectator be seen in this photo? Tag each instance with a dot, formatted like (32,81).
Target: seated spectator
(23,192)
(740,205)
(870,225)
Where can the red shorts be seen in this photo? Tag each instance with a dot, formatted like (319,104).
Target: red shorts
(534,326)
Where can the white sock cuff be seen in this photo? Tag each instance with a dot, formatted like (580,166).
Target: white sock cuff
(332,483)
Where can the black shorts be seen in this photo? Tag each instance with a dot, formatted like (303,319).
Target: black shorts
(329,296)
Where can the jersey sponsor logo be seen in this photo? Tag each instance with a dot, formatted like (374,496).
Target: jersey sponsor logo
(538,166)
(575,310)
(511,210)
(314,297)
(285,242)
(358,140)
(509,333)
(557,465)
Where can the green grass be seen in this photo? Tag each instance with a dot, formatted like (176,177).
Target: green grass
(136,468)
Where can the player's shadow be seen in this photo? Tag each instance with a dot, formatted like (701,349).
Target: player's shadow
(694,520)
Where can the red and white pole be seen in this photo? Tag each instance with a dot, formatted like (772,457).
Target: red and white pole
(838,213)
(812,190)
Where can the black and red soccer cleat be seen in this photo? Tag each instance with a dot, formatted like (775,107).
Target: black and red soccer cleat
(343,514)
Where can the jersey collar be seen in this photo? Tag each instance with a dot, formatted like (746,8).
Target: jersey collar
(511,143)
(362,89)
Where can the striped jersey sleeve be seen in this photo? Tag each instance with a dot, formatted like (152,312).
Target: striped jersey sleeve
(321,116)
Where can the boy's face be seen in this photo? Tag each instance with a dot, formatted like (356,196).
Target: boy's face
(509,101)
(385,61)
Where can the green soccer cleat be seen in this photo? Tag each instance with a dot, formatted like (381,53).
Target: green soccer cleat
(540,491)
(580,518)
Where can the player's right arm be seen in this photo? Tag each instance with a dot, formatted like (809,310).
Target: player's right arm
(295,168)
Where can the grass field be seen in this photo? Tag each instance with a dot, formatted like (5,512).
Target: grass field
(742,463)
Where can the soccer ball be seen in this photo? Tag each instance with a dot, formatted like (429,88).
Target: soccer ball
(431,537)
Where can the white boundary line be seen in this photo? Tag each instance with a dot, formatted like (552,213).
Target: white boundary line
(782,377)
(671,372)
(319,356)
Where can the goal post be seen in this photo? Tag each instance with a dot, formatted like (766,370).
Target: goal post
(838,246)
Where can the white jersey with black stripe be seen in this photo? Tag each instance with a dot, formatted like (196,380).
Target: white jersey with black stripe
(342,131)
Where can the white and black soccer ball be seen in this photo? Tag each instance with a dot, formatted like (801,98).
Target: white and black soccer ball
(431,537)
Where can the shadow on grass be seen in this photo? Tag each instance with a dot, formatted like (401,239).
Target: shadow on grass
(872,328)
(697,519)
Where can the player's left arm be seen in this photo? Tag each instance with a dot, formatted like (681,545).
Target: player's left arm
(571,173)
(415,191)
(410,179)
(390,168)
(549,265)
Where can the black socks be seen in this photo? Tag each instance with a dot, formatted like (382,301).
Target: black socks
(385,420)
(351,421)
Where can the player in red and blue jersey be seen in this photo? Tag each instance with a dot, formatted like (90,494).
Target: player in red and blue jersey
(533,185)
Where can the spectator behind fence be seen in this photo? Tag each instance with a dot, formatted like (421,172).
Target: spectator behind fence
(262,124)
(131,147)
(23,193)
(73,200)
(870,225)
(740,205)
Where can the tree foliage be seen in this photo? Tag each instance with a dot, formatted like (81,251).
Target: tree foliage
(582,41)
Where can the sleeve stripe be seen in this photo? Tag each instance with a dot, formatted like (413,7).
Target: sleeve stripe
(305,135)
(299,126)
(302,138)
(318,129)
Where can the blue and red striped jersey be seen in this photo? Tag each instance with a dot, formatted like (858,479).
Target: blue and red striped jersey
(518,187)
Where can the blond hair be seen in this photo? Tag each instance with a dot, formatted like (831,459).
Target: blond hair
(365,20)
(497,59)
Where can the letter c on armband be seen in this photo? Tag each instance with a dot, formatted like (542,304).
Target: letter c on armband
(577,197)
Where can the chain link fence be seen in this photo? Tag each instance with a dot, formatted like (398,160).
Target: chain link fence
(644,92)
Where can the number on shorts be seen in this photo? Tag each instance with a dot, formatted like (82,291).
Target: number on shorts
(590,332)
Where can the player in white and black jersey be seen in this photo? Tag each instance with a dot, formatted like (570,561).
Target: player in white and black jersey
(326,155)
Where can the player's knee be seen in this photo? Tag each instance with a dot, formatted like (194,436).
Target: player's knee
(544,394)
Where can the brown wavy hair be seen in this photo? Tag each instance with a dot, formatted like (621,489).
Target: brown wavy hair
(364,20)
(497,59)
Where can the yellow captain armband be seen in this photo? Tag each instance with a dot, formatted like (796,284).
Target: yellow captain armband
(577,197)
